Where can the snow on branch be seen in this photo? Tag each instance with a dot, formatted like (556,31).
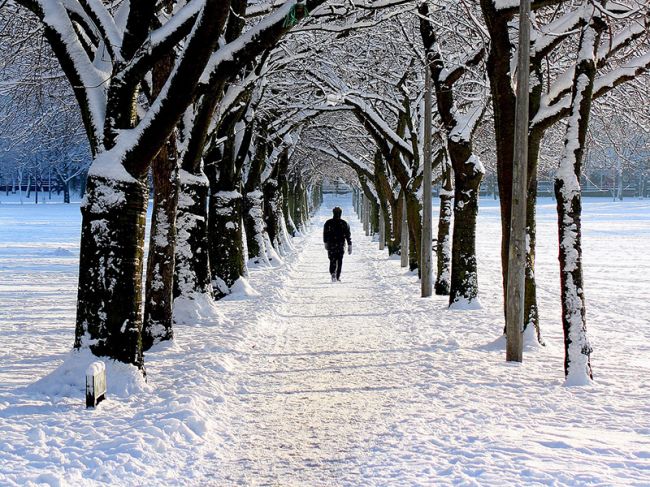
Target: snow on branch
(105,23)
(549,36)
(345,157)
(511,7)
(161,40)
(450,76)
(376,120)
(88,82)
(466,123)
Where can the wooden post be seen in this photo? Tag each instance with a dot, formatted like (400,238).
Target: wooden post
(382,230)
(517,252)
(404,244)
(95,384)
(427,220)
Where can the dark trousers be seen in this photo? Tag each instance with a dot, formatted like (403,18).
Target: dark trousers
(336,261)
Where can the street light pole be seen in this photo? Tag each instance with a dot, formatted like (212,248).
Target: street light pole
(515,291)
(427,223)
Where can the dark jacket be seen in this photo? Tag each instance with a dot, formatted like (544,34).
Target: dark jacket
(335,233)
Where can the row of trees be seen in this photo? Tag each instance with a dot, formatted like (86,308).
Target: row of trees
(579,54)
(238,108)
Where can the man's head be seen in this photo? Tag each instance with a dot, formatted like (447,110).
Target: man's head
(337,212)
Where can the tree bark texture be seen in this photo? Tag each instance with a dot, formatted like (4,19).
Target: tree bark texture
(109,317)
(227,256)
(159,290)
(577,363)
(404,240)
(254,226)
(443,278)
(192,267)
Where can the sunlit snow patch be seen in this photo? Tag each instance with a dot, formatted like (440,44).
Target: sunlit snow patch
(197,308)
(69,379)
(241,289)
(465,304)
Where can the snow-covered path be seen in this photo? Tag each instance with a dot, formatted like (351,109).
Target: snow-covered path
(331,371)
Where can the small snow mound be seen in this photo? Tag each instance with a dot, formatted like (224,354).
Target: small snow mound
(578,378)
(197,308)
(462,304)
(498,345)
(69,379)
(165,346)
(61,252)
(241,289)
(531,343)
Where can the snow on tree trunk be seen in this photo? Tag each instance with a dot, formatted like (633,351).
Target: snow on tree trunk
(274,217)
(272,209)
(109,317)
(287,205)
(443,279)
(159,290)
(577,365)
(255,227)
(463,291)
(227,257)
(192,284)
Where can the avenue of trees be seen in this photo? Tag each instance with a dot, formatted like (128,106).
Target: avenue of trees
(235,110)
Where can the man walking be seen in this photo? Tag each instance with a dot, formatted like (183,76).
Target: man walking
(335,233)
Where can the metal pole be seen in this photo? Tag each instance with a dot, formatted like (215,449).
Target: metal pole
(515,292)
(427,220)
(404,243)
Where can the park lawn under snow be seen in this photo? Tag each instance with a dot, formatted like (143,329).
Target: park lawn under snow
(319,384)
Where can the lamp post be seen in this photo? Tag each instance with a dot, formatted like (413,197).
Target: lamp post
(427,223)
(515,290)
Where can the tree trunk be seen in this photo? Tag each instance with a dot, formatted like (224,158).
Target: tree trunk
(577,364)
(413,207)
(254,226)
(192,269)
(274,216)
(66,191)
(287,207)
(404,240)
(374,217)
(227,258)
(443,279)
(382,230)
(464,274)
(159,293)
(109,319)
(300,218)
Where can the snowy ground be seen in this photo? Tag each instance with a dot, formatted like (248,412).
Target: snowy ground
(320,384)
